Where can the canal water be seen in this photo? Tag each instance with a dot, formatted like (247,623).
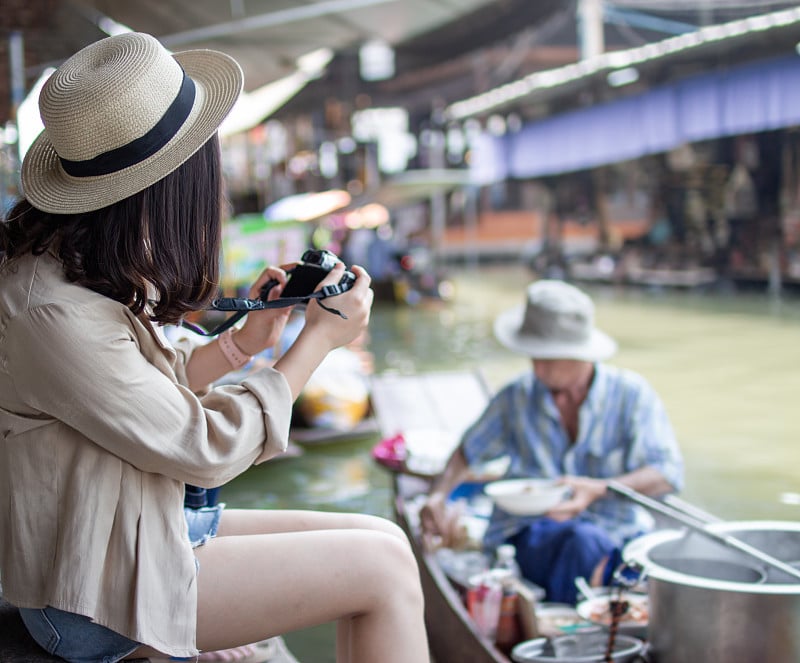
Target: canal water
(726,365)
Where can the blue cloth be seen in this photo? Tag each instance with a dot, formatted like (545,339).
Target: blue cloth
(552,554)
(622,426)
(74,637)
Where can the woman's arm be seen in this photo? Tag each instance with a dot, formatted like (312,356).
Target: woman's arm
(323,331)
(261,330)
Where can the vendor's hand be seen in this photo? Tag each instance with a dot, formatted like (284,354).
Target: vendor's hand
(432,515)
(440,523)
(356,303)
(585,490)
(262,329)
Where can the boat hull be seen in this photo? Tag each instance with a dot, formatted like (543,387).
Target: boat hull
(451,632)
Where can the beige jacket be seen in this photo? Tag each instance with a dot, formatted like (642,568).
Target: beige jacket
(98,434)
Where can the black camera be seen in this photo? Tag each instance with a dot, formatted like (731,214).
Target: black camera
(305,277)
(300,289)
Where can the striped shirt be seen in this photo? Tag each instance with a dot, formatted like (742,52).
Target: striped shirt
(622,427)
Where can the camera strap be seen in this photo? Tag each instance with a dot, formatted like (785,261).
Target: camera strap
(243,305)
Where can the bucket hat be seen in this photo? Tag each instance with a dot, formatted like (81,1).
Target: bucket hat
(556,322)
(121,114)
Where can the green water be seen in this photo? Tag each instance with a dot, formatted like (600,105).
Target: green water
(727,368)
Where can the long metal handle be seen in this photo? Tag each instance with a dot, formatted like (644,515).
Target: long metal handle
(690,509)
(698,525)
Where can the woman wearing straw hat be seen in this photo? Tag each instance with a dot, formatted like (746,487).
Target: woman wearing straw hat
(103,421)
(573,418)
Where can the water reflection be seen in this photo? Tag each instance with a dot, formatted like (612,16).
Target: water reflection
(338,477)
(726,367)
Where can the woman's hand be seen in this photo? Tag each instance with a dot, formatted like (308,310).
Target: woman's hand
(585,490)
(324,330)
(330,329)
(263,329)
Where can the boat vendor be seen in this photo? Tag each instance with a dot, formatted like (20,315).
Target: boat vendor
(575,418)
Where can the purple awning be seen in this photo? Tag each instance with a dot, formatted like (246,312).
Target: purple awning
(756,97)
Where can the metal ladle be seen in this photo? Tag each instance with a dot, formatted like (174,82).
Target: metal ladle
(697,521)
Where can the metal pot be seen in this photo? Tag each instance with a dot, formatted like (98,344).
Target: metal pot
(712,603)
(587,647)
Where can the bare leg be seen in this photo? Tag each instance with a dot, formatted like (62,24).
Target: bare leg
(308,569)
(259,521)
(236,522)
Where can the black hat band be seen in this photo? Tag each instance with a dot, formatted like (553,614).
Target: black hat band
(143,147)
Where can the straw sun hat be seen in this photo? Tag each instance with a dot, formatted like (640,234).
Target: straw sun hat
(556,322)
(121,114)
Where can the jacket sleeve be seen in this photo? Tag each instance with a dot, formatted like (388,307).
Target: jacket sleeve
(94,378)
(184,348)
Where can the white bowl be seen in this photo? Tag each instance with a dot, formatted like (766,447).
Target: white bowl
(526,497)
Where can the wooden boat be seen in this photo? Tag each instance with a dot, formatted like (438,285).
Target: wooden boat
(452,634)
(443,404)
(691,277)
(317,435)
(334,404)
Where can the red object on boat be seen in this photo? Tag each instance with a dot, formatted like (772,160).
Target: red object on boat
(391,452)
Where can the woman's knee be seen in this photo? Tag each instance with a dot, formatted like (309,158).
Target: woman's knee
(394,561)
(391,528)
(405,571)
(378,524)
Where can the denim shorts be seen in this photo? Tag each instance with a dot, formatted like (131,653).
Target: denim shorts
(74,637)
(202,524)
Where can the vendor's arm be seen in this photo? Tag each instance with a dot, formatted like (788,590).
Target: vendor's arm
(484,440)
(585,490)
(433,515)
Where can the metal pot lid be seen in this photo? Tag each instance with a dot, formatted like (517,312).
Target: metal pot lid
(640,551)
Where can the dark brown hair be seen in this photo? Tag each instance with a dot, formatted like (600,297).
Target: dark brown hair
(168,235)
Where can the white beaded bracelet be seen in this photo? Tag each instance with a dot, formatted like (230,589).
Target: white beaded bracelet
(236,358)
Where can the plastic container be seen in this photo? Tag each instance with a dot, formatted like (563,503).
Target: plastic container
(484,601)
(507,560)
(509,632)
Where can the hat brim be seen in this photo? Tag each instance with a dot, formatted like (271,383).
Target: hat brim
(218,82)
(598,347)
